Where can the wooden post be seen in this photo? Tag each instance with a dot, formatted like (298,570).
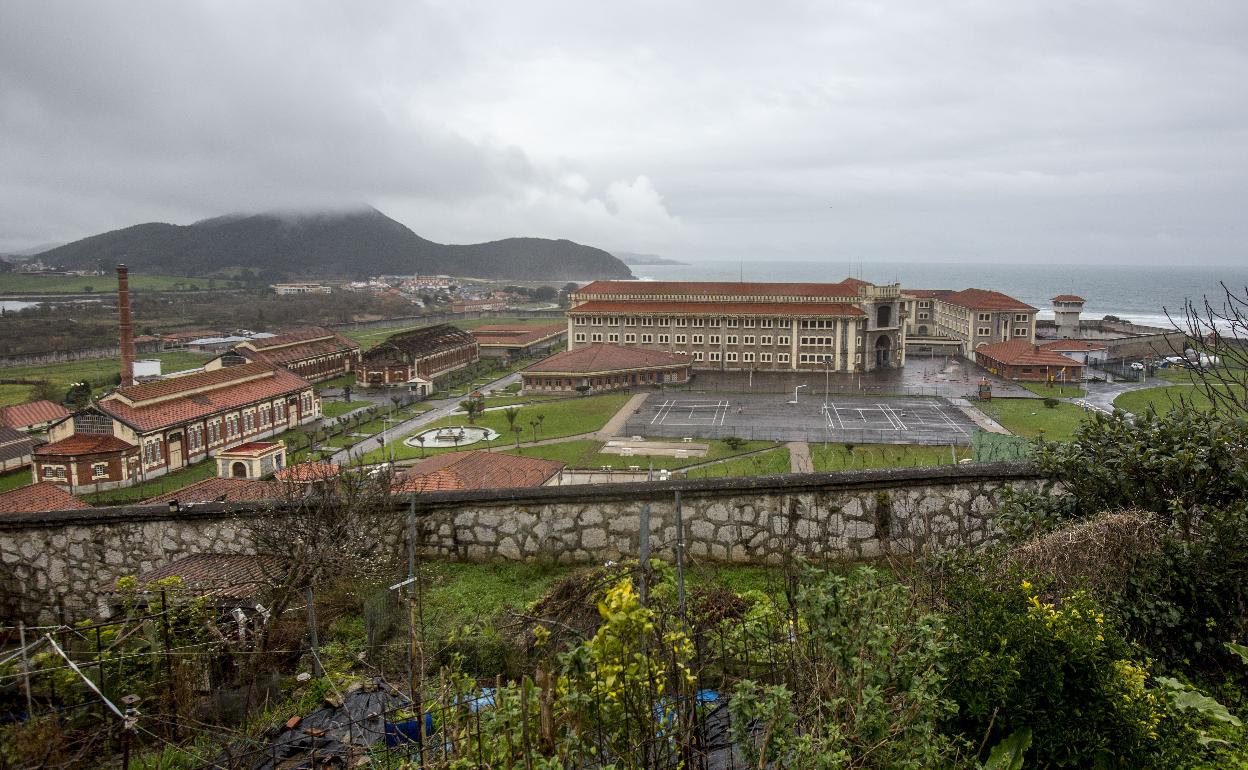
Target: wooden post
(316,645)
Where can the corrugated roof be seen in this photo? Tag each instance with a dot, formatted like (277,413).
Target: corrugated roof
(720,288)
(14,445)
(36,498)
(600,358)
(602,306)
(219,575)
(1024,353)
(31,413)
(422,342)
(476,470)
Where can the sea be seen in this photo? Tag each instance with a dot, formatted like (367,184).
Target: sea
(1143,295)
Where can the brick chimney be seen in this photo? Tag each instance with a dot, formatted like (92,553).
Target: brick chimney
(127,328)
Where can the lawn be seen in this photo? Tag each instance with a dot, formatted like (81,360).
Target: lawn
(338,408)
(14,479)
(1054,391)
(102,373)
(585,453)
(1029,417)
(21,283)
(762,464)
(473,323)
(560,418)
(1164,398)
(156,486)
(459,594)
(839,457)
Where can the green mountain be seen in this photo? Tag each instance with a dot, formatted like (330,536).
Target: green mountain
(350,244)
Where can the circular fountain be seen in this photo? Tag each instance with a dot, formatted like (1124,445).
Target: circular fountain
(452,436)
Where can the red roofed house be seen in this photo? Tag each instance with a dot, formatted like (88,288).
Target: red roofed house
(414,358)
(477,470)
(1026,361)
(147,430)
(855,325)
(599,367)
(37,498)
(1084,351)
(518,341)
(32,417)
(314,353)
(970,318)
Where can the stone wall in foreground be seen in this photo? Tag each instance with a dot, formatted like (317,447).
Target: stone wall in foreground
(63,564)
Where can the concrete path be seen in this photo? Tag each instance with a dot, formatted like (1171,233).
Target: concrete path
(1101,395)
(983,421)
(617,421)
(799,457)
(441,408)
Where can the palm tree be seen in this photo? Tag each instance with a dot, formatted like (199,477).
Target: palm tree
(512,413)
(420,439)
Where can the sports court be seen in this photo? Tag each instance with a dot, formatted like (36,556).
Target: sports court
(868,419)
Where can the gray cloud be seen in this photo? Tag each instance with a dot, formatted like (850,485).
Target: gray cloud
(1023,131)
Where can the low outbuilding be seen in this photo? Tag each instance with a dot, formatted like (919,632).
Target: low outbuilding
(603,367)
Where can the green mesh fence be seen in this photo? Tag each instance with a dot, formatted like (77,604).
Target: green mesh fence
(996,447)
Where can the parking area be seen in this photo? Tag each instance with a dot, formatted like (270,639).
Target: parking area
(776,417)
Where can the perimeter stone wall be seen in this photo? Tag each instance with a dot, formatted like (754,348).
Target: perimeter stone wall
(63,565)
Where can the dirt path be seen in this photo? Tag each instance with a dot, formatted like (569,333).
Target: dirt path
(799,457)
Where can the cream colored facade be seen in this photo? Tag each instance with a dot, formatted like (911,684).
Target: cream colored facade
(844,327)
(968,319)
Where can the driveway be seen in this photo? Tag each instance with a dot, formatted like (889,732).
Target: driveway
(442,407)
(1101,395)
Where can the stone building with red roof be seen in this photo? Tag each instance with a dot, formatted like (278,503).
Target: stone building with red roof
(601,367)
(146,430)
(853,325)
(967,319)
(517,341)
(313,352)
(417,356)
(1028,362)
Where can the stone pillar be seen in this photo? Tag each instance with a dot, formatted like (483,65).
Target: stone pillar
(793,344)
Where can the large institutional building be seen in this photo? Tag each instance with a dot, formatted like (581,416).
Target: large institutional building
(848,326)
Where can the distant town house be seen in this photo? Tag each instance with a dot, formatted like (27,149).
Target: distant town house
(287,289)
(148,430)
(478,305)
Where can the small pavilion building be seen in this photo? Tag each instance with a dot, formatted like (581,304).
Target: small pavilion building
(1027,362)
(604,367)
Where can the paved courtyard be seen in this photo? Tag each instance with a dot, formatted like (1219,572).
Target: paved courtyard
(774,417)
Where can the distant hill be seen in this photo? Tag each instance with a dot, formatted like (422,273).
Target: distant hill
(629,258)
(351,244)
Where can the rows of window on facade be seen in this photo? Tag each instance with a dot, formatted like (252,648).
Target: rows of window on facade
(414,358)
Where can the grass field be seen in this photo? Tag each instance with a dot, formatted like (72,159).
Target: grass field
(156,486)
(838,457)
(370,337)
(1164,398)
(1054,391)
(99,371)
(560,418)
(585,453)
(339,408)
(762,464)
(1029,417)
(14,479)
(20,283)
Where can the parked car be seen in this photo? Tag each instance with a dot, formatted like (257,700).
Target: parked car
(1138,366)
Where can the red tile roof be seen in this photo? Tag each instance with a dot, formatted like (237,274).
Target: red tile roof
(599,358)
(285,356)
(83,444)
(32,413)
(230,490)
(35,498)
(722,289)
(720,308)
(985,299)
(219,575)
(476,470)
(252,446)
(1023,353)
(224,389)
(1068,298)
(1073,345)
(516,335)
(305,472)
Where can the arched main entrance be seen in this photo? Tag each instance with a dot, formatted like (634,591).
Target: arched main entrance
(238,470)
(883,347)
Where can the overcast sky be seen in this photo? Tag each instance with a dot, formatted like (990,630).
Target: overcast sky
(903,130)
